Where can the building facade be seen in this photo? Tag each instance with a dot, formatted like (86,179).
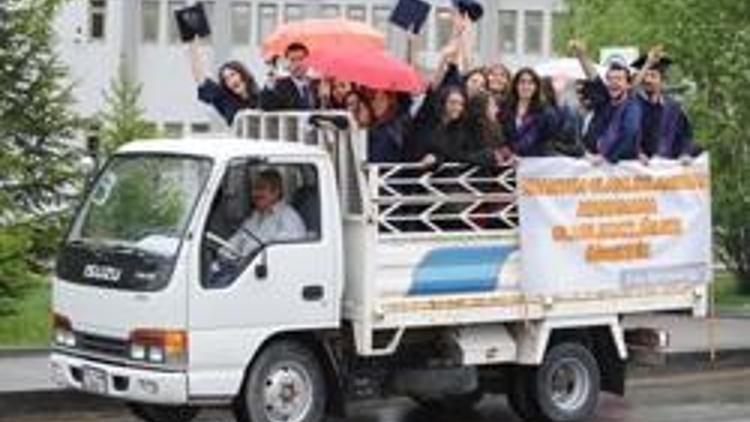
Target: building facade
(99,38)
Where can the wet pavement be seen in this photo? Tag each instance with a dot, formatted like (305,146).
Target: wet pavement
(716,397)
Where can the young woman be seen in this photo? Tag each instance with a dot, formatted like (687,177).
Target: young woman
(475,82)
(236,88)
(386,135)
(529,123)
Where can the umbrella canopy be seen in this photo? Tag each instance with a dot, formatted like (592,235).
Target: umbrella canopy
(317,33)
(566,67)
(373,68)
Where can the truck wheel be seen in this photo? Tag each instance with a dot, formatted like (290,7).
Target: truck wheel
(285,384)
(161,413)
(565,387)
(454,404)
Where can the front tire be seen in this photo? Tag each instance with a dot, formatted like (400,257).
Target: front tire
(162,413)
(285,384)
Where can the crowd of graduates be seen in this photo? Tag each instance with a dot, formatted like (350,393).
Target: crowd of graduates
(487,116)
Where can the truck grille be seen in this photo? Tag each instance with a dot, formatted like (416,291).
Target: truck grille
(103,345)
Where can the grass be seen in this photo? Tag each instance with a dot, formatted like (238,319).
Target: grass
(30,325)
(728,296)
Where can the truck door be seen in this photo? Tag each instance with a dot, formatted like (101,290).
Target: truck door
(266,264)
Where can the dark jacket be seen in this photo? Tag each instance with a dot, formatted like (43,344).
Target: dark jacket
(457,142)
(223,101)
(531,138)
(284,95)
(385,140)
(666,129)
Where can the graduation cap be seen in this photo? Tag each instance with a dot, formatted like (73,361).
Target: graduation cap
(192,22)
(469,7)
(411,15)
(662,65)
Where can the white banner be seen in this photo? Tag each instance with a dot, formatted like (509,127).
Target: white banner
(590,228)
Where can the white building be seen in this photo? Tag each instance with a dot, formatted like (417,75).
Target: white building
(96,37)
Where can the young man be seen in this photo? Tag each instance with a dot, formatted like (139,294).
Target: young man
(295,92)
(615,129)
(666,128)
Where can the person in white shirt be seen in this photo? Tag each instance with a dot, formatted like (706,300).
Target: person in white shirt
(272,220)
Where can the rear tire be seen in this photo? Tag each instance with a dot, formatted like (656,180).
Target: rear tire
(285,384)
(162,413)
(565,388)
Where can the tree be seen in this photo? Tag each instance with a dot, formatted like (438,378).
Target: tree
(40,168)
(123,119)
(711,43)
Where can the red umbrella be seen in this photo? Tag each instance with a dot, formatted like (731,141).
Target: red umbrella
(373,68)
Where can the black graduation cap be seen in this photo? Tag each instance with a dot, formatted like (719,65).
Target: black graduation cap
(662,65)
(192,22)
(469,7)
(410,14)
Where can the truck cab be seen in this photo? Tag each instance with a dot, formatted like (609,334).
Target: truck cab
(188,279)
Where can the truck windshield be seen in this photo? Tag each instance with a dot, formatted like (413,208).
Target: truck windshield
(130,227)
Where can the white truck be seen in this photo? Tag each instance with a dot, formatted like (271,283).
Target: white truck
(407,282)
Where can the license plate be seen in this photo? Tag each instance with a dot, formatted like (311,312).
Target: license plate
(94,380)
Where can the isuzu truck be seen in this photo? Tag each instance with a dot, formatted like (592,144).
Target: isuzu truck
(406,281)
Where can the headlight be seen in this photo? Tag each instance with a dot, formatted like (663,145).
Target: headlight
(137,352)
(159,346)
(63,332)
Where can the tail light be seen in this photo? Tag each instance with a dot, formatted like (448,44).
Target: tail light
(159,346)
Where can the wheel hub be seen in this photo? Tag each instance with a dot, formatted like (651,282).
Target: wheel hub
(287,393)
(569,384)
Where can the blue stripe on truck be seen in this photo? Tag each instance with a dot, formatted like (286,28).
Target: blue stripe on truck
(459,270)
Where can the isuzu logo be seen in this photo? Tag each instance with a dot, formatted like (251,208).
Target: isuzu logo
(102,272)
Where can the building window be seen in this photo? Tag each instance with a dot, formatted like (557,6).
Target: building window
(380,17)
(174,33)
(508,26)
(150,21)
(557,31)
(443,26)
(200,128)
(240,23)
(294,13)
(97,19)
(268,15)
(356,13)
(533,30)
(330,11)
(173,130)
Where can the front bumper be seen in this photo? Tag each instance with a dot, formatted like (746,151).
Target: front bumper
(118,381)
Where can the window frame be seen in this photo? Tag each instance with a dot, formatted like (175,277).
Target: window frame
(539,25)
(260,164)
(247,8)
(501,28)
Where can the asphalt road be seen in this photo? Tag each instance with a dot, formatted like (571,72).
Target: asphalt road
(717,397)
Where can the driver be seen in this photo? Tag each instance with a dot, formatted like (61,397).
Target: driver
(272,220)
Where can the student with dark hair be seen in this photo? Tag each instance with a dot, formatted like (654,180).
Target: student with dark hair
(296,91)
(616,127)
(666,128)
(236,88)
(386,136)
(528,124)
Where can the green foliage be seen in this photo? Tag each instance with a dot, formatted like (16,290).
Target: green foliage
(123,119)
(711,42)
(40,169)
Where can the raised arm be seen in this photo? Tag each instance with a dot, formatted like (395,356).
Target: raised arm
(654,55)
(578,49)
(197,65)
